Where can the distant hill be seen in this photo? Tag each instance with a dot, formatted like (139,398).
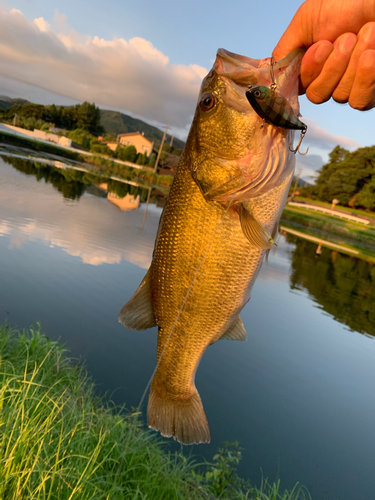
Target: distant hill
(7,102)
(115,122)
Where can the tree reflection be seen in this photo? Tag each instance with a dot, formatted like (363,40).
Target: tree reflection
(73,183)
(69,183)
(344,286)
(122,189)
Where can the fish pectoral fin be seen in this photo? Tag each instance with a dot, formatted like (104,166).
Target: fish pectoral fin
(137,313)
(274,235)
(236,332)
(228,187)
(254,231)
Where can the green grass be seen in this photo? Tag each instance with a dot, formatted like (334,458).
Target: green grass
(355,211)
(107,166)
(364,235)
(25,142)
(100,165)
(59,441)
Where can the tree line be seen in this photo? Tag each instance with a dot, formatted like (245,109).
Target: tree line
(82,125)
(348,176)
(85,116)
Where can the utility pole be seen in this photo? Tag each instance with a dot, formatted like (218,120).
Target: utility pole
(296,184)
(170,144)
(161,147)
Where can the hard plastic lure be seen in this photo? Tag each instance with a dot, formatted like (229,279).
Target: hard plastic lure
(275,109)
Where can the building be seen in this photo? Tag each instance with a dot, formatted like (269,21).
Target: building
(112,145)
(129,202)
(138,140)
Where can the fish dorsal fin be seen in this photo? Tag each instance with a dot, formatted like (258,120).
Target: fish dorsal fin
(236,332)
(137,313)
(254,231)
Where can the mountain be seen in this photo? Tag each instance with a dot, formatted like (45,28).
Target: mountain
(7,102)
(115,122)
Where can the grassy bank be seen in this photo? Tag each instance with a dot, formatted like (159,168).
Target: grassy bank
(356,211)
(25,142)
(337,230)
(98,164)
(59,441)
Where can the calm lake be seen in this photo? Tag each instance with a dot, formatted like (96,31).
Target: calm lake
(299,395)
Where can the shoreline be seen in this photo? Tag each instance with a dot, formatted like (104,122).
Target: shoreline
(59,440)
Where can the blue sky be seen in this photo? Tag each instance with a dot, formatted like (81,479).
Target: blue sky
(147,58)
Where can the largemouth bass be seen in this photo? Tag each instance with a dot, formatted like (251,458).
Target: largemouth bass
(220,218)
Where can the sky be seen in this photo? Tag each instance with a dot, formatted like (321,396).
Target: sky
(147,59)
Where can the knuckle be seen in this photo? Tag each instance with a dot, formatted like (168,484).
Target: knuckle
(341,95)
(361,103)
(317,95)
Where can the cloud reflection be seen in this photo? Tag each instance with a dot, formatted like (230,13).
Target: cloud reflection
(91,233)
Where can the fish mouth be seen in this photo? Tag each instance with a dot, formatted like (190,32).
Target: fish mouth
(241,69)
(240,72)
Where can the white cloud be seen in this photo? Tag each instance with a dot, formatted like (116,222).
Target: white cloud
(4,228)
(42,24)
(320,138)
(130,75)
(308,166)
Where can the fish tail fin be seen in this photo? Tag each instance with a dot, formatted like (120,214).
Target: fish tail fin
(184,420)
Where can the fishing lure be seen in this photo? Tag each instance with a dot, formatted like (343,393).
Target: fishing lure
(275,109)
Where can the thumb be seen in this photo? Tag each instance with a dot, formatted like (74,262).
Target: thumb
(296,35)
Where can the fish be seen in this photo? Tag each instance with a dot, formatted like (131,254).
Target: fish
(220,220)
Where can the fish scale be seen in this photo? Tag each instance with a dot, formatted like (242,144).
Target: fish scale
(208,252)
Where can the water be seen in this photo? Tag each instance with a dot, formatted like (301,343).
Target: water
(298,395)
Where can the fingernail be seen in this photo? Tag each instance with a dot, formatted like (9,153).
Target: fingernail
(368,59)
(322,52)
(368,33)
(347,43)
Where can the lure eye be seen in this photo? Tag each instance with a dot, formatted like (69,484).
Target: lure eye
(208,101)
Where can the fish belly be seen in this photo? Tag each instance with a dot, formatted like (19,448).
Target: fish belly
(201,275)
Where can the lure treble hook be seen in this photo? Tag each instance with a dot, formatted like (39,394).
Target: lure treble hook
(303,133)
(273,84)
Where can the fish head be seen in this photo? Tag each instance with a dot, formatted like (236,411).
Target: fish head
(232,153)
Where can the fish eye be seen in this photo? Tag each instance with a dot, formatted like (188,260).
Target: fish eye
(257,93)
(208,101)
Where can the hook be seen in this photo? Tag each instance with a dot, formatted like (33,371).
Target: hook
(303,133)
(272,63)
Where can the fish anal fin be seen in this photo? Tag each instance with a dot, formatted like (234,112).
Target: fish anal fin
(137,313)
(236,332)
(253,230)
(182,419)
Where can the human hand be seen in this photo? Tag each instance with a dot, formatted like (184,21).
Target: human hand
(340,60)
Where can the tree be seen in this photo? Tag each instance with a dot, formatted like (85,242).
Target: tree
(346,175)
(127,154)
(88,118)
(152,161)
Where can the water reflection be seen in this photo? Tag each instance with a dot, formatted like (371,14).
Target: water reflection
(302,386)
(343,286)
(73,181)
(34,213)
